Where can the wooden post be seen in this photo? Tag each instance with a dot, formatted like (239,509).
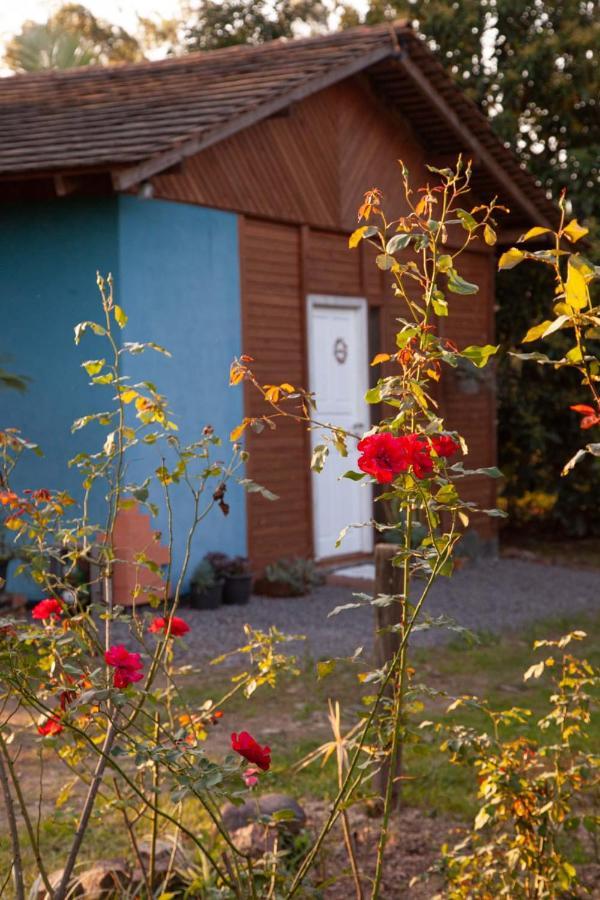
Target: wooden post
(388,580)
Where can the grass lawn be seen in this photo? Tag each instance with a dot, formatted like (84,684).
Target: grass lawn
(293,720)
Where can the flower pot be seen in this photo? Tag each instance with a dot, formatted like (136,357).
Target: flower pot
(237,589)
(209,598)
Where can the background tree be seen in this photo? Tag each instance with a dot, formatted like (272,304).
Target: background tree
(211,24)
(72,36)
(533,66)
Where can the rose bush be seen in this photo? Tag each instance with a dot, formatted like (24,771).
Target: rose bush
(114,708)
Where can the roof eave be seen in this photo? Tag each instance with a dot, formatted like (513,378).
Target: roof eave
(126,178)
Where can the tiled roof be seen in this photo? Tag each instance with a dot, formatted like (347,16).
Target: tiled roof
(139,119)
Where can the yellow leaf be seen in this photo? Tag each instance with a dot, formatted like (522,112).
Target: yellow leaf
(489,235)
(128,395)
(288,388)
(239,430)
(357,236)
(272,393)
(120,317)
(574,231)
(536,332)
(236,373)
(576,291)
(380,358)
(511,258)
(533,232)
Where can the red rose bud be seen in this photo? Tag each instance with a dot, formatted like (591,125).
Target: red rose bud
(244,744)
(177,628)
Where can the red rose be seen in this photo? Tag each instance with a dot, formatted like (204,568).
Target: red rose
(128,666)
(51,726)
(177,628)
(383,456)
(244,744)
(419,454)
(47,609)
(444,445)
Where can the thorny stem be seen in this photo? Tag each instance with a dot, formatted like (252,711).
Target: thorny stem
(86,812)
(33,840)
(397,714)
(344,792)
(17,862)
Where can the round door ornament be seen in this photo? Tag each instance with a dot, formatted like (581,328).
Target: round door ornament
(340,350)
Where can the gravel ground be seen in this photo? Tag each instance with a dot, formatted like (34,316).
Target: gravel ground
(484,596)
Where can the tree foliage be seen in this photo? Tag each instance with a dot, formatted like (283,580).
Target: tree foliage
(72,36)
(533,66)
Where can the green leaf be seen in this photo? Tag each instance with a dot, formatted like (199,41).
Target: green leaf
(354,476)
(466,219)
(446,494)
(319,455)
(384,261)
(373,395)
(444,263)
(479,356)
(325,667)
(458,285)
(253,488)
(120,316)
(439,303)
(398,242)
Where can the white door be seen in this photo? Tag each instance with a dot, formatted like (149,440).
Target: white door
(338,362)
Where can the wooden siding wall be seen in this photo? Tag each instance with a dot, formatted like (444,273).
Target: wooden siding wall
(311,165)
(297,180)
(282,264)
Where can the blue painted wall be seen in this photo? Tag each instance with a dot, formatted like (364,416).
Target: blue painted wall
(49,255)
(176,270)
(179,283)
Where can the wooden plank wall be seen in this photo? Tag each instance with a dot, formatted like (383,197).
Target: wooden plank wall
(273,333)
(282,264)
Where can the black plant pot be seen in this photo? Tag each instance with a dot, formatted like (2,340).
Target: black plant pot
(237,589)
(209,598)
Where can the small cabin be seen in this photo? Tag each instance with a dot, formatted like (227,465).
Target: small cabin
(220,190)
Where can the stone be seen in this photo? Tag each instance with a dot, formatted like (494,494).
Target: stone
(105,880)
(108,878)
(237,817)
(254,840)
(163,851)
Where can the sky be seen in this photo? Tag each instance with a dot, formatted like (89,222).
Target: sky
(121,12)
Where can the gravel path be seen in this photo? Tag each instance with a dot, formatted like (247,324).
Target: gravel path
(484,596)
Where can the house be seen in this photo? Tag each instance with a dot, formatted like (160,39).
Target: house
(220,189)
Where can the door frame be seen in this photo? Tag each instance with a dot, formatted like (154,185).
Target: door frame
(361,304)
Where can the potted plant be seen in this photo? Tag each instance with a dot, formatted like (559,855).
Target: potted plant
(235,572)
(206,587)
(289,578)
